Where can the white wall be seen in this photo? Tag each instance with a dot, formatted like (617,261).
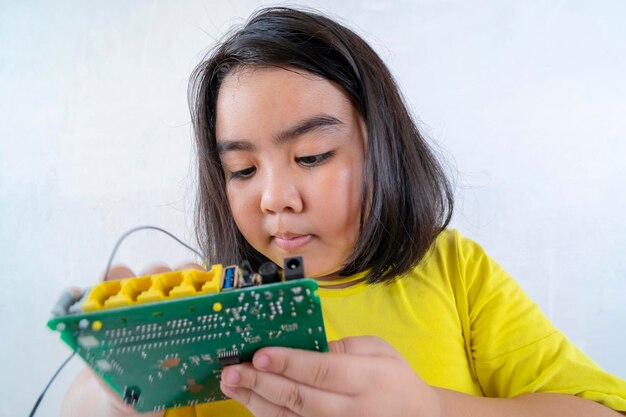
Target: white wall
(526,99)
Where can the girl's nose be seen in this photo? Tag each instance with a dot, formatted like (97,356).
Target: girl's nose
(280,194)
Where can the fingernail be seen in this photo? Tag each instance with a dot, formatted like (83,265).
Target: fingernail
(232,377)
(261,361)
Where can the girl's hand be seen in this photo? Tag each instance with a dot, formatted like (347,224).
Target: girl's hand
(360,376)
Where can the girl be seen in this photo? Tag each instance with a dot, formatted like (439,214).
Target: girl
(306,148)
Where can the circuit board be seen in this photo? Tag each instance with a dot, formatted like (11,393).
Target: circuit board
(170,353)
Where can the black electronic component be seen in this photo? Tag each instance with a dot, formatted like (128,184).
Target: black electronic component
(229,357)
(247,276)
(269,273)
(293,268)
(131,395)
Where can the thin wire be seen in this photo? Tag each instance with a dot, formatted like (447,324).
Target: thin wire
(136,229)
(106,273)
(32,413)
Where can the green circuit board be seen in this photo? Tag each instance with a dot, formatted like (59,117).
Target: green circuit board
(170,353)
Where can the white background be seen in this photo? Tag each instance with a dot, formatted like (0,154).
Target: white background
(526,100)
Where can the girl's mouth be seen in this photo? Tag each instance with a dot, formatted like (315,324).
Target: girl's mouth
(290,242)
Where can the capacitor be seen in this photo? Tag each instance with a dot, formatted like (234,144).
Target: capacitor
(269,273)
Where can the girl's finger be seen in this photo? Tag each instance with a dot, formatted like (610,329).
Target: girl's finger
(118,272)
(283,392)
(190,265)
(156,269)
(344,373)
(329,371)
(257,405)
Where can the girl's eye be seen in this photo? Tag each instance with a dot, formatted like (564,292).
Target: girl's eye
(314,160)
(242,174)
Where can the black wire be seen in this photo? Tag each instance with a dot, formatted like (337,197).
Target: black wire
(106,273)
(32,413)
(136,229)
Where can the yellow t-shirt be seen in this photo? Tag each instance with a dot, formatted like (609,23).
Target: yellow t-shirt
(464,324)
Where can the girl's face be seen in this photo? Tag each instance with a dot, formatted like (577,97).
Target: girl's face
(292,148)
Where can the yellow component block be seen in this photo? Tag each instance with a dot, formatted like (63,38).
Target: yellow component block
(161,286)
(129,291)
(206,281)
(118,300)
(198,282)
(151,288)
(151,295)
(183,290)
(100,293)
(178,286)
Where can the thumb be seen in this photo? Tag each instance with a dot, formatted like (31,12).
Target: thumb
(363,345)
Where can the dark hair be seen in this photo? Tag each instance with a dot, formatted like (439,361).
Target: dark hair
(407,199)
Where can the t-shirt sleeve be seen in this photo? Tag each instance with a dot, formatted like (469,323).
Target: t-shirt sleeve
(515,348)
